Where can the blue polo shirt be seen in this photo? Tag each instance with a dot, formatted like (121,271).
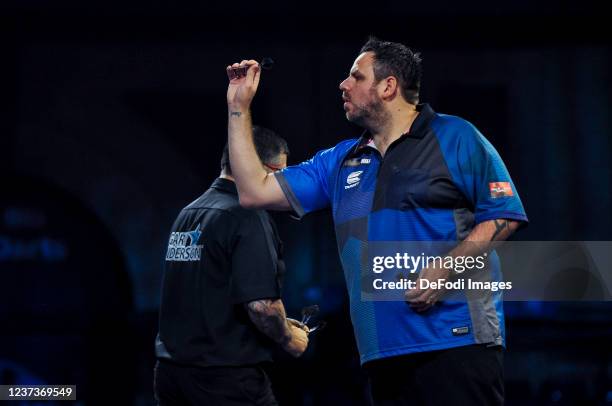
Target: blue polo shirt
(435,183)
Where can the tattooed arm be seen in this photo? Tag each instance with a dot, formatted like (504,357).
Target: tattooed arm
(270,318)
(493,230)
(482,239)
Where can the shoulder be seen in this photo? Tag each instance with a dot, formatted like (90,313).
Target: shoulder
(219,206)
(247,216)
(456,132)
(341,148)
(448,125)
(336,153)
(324,160)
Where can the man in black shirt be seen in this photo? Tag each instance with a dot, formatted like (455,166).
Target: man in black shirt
(221,312)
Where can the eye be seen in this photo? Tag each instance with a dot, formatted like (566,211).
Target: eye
(357,76)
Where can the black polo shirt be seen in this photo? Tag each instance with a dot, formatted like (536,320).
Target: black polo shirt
(220,256)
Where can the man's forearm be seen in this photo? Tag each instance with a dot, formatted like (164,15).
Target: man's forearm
(484,237)
(246,168)
(270,318)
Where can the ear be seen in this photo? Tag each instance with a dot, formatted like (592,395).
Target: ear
(389,87)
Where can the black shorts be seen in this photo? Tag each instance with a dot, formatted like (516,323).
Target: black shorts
(224,386)
(470,375)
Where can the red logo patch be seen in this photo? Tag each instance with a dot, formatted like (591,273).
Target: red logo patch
(500,189)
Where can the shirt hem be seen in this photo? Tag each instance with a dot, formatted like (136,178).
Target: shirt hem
(410,349)
(217,364)
(257,295)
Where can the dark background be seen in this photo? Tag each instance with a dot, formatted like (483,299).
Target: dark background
(113,118)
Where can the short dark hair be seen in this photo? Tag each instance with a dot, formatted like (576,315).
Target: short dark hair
(395,59)
(268,145)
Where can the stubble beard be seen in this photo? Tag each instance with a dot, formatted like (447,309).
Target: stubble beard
(371,115)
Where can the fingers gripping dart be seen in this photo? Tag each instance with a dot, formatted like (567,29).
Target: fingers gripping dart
(235,73)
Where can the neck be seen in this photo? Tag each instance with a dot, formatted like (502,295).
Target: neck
(224,175)
(400,119)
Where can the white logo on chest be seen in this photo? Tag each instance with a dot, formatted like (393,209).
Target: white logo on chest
(353,179)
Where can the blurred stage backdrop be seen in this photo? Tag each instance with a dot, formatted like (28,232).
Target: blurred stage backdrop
(113,118)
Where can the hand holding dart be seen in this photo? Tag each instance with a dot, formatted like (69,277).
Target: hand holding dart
(241,71)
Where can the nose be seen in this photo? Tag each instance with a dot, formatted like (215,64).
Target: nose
(344,85)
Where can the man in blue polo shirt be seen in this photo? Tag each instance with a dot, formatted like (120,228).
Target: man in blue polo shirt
(414,175)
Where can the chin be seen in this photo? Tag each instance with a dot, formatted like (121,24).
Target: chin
(355,119)
(351,116)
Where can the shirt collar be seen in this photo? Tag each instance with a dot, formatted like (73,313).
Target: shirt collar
(225,185)
(418,129)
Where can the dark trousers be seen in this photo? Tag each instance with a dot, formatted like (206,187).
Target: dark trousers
(215,386)
(465,376)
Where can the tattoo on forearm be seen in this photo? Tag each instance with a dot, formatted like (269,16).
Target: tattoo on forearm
(236,113)
(499,227)
(269,319)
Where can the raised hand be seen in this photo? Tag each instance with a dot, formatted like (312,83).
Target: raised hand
(243,83)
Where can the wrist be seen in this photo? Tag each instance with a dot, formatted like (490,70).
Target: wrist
(238,108)
(287,335)
(451,274)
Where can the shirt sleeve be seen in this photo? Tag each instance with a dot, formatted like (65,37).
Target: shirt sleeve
(480,173)
(306,185)
(254,274)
